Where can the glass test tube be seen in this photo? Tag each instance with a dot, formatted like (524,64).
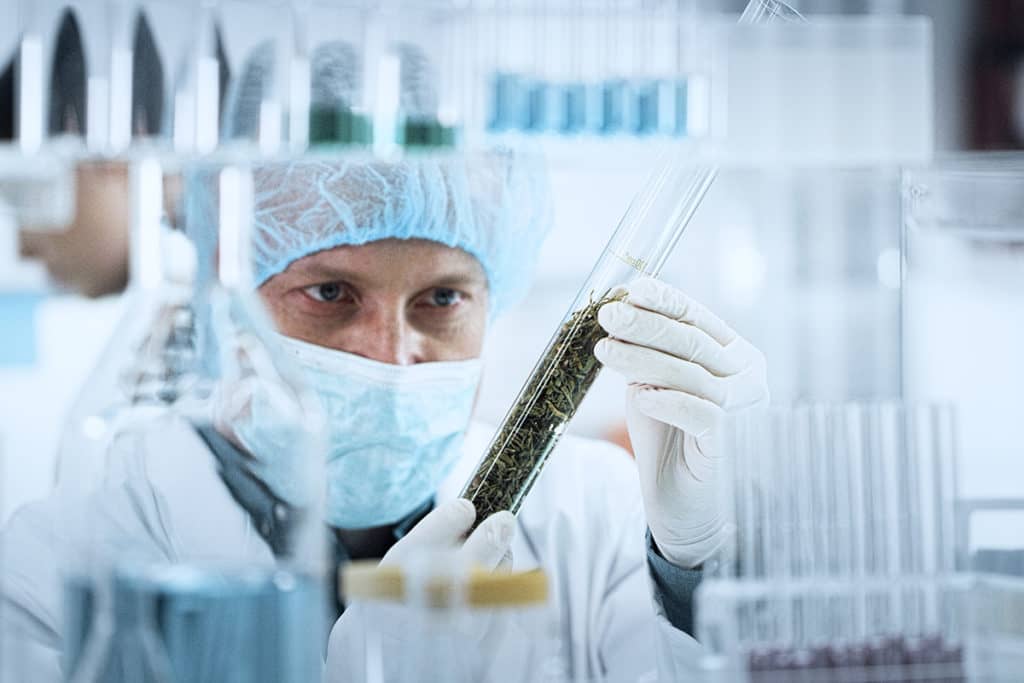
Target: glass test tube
(642,243)
(337,48)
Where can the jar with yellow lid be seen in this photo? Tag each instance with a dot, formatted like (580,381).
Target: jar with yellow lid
(432,621)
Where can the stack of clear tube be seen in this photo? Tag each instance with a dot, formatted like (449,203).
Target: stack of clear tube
(603,69)
(843,556)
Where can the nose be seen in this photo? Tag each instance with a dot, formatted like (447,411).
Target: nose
(385,336)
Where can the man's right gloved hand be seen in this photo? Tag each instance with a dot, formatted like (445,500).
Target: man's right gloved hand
(444,528)
(440,533)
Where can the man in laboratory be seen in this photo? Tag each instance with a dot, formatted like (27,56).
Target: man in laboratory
(382,279)
(412,289)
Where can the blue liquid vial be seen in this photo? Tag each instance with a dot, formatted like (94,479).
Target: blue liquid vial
(680,95)
(508,103)
(614,107)
(574,108)
(543,106)
(646,112)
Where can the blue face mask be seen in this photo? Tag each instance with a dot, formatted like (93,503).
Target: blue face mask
(394,432)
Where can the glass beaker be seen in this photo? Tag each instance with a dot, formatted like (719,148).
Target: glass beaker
(183,624)
(117,647)
(642,243)
(445,623)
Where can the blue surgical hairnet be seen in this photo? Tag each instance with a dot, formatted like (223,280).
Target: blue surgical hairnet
(492,204)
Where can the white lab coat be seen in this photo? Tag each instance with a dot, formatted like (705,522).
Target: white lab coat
(582,523)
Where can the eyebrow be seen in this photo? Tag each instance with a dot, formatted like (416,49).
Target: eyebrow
(322,272)
(459,280)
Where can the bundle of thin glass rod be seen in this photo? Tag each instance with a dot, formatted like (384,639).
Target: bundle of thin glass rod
(843,555)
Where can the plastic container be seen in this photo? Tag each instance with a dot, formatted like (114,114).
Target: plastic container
(962,313)
(447,624)
(864,84)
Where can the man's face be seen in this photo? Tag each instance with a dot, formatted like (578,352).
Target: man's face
(393,301)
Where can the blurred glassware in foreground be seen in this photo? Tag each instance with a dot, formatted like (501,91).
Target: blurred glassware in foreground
(182,529)
(448,622)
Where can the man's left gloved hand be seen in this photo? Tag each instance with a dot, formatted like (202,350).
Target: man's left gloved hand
(687,370)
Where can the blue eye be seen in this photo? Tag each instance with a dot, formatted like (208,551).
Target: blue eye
(445,297)
(329,291)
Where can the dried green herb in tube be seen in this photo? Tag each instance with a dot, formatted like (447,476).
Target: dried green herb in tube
(643,241)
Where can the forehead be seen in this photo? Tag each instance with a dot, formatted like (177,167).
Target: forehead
(393,263)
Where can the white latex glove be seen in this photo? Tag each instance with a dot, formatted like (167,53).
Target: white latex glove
(439,534)
(687,370)
(443,529)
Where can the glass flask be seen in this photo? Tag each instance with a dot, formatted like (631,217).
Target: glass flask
(149,361)
(640,246)
(210,508)
(445,623)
